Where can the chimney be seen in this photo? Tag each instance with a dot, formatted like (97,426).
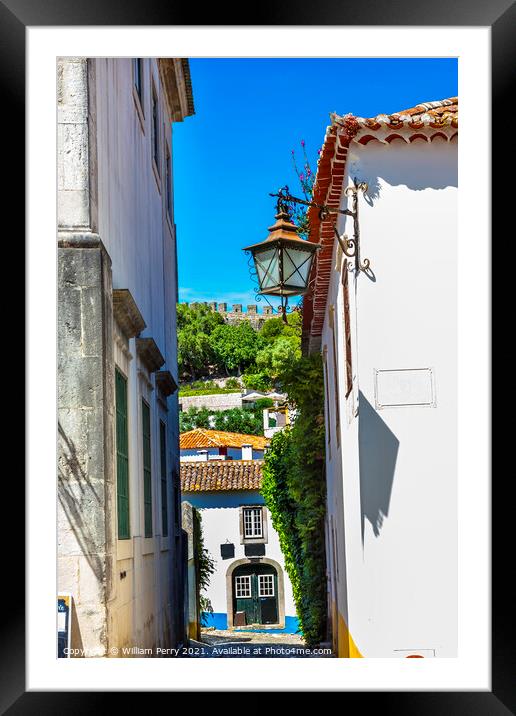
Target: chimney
(202,455)
(247,452)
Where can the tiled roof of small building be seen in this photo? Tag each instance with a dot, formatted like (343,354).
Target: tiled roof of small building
(203,438)
(221,475)
(426,121)
(427,114)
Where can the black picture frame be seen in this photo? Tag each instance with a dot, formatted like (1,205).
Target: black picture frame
(500,16)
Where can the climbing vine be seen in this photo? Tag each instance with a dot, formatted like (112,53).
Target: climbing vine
(294,490)
(205,567)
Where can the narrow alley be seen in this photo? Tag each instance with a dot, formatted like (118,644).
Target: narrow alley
(218,643)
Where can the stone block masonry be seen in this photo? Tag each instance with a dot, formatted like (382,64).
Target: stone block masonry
(237,314)
(85,433)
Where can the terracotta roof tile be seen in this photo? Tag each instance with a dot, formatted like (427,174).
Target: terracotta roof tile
(203,438)
(221,475)
(427,120)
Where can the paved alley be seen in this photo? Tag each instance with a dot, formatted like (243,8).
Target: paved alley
(234,645)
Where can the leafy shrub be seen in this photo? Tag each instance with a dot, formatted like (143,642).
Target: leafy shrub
(294,490)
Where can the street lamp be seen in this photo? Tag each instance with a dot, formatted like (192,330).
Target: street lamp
(283,261)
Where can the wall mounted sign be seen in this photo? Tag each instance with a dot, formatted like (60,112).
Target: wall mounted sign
(405,387)
(64,621)
(227,550)
(254,550)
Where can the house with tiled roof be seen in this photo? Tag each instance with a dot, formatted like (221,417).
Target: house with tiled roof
(204,444)
(382,310)
(250,588)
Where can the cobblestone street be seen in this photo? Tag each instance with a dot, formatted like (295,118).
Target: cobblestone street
(234,645)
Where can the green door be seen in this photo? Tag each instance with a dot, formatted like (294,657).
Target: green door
(255,592)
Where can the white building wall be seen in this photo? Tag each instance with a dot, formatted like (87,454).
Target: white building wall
(220,513)
(392,480)
(138,233)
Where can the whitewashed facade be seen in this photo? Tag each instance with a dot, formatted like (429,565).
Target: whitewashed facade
(119,527)
(239,536)
(389,344)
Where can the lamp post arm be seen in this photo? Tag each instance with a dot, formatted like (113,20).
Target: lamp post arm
(350,247)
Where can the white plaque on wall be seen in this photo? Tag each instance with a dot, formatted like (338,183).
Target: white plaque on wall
(404,387)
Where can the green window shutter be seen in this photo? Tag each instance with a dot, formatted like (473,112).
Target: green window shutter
(147,472)
(163,463)
(122,457)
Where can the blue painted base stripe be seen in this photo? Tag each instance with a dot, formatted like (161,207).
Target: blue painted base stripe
(219,620)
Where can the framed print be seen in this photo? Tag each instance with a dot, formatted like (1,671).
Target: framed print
(150,142)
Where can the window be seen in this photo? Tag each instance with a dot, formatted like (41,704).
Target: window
(265,585)
(177,502)
(163,463)
(138,78)
(347,330)
(168,169)
(243,586)
(147,472)
(122,457)
(335,373)
(253,522)
(327,397)
(155,129)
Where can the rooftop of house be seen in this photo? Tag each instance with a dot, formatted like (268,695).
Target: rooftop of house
(426,122)
(221,475)
(204,438)
(435,114)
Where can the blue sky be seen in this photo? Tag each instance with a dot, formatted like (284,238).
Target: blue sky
(250,114)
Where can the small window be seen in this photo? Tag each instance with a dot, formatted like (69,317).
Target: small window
(177,502)
(147,473)
(243,586)
(138,78)
(265,585)
(253,522)
(122,457)
(155,129)
(347,331)
(168,170)
(163,465)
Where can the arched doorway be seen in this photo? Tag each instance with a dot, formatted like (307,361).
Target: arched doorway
(255,593)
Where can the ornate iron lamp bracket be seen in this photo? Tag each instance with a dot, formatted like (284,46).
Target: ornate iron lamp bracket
(350,247)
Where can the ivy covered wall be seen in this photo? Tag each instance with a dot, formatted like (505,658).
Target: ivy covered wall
(294,490)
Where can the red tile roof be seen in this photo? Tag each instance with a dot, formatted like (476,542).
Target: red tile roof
(424,121)
(203,438)
(221,475)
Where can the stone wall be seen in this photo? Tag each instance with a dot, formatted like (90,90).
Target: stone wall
(237,314)
(219,401)
(85,430)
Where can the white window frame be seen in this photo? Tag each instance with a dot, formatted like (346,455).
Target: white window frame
(247,578)
(262,577)
(254,512)
(253,539)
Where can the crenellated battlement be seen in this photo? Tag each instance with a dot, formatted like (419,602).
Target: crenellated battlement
(253,313)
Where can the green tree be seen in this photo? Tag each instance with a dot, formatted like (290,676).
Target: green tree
(194,418)
(194,327)
(240,420)
(234,346)
(277,357)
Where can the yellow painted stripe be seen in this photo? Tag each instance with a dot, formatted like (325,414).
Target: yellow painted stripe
(347,647)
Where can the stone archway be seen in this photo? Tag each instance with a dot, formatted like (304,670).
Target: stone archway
(281,589)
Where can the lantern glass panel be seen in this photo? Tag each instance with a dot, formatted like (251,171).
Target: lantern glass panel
(267,268)
(296,266)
